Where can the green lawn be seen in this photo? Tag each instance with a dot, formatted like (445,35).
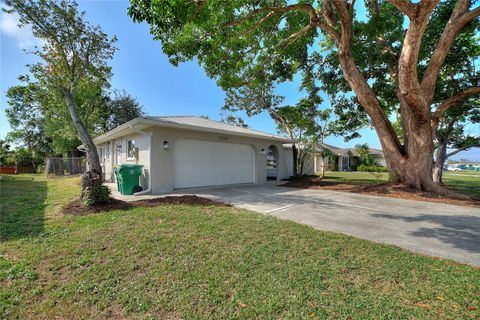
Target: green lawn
(206,262)
(466,181)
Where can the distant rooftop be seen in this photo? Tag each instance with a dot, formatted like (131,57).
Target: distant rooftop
(340,151)
(347,151)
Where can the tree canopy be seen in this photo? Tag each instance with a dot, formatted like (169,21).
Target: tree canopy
(389,61)
(40,120)
(74,56)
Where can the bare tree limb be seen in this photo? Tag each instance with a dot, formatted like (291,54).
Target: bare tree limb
(451,102)
(296,35)
(458,19)
(346,23)
(472,14)
(327,13)
(258,23)
(360,86)
(408,82)
(448,155)
(405,7)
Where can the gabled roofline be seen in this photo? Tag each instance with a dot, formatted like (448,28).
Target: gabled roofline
(340,151)
(167,124)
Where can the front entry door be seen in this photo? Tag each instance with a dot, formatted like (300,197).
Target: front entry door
(345,163)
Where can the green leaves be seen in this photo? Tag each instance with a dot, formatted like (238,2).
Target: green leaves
(232,47)
(73,49)
(362,151)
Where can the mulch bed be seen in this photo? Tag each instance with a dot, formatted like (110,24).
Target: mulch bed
(76,207)
(383,189)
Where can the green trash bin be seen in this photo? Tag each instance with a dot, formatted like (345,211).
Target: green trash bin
(127,177)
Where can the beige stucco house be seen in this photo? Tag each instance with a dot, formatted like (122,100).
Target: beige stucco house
(188,151)
(344,159)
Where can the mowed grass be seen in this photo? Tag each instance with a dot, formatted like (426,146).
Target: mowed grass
(207,262)
(467,182)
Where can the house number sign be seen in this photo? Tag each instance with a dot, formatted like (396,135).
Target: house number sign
(222,138)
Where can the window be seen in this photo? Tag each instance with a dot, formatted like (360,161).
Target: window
(131,149)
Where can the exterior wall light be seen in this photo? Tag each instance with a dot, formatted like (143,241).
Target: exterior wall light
(165,145)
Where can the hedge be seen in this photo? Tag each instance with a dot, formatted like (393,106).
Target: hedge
(371,168)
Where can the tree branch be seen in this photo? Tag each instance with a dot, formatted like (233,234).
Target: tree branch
(314,19)
(476,145)
(294,7)
(373,4)
(346,23)
(458,19)
(405,7)
(360,86)
(295,35)
(327,13)
(409,84)
(452,101)
(472,14)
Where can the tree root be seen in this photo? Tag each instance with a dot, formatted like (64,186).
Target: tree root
(444,191)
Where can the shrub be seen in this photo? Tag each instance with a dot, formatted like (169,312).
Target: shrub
(371,168)
(96,195)
(41,168)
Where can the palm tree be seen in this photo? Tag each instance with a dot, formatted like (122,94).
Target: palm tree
(362,151)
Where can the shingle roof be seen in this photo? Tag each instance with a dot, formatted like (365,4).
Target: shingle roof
(338,151)
(184,122)
(199,122)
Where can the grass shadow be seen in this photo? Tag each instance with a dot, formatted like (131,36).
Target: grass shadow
(22,207)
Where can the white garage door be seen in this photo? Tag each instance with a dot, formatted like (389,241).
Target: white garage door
(199,163)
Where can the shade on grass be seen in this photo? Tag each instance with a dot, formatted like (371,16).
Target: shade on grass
(212,262)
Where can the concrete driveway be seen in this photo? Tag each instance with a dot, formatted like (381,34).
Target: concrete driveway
(429,228)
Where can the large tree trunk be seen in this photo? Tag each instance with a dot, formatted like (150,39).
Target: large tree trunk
(301,164)
(440,157)
(414,168)
(410,163)
(295,159)
(87,141)
(322,168)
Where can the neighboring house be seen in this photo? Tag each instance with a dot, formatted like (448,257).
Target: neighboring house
(188,151)
(345,159)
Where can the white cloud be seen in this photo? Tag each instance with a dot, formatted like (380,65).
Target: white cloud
(23,35)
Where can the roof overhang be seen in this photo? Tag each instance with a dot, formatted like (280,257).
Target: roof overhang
(317,148)
(136,124)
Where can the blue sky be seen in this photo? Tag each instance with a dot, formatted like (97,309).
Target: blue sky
(140,67)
